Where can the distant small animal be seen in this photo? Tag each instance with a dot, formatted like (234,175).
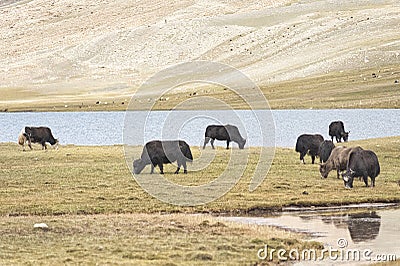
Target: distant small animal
(361,163)
(336,129)
(337,160)
(158,152)
(308,143)
(37,135)
(325,150)
(227,132)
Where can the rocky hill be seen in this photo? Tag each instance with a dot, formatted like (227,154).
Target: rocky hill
(86,49)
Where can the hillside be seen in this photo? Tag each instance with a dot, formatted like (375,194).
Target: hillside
(60,53)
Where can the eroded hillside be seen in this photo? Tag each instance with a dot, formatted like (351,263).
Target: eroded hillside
(66,52)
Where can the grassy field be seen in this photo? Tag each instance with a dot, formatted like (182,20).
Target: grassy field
(96,180)
(96,211)
(137,239)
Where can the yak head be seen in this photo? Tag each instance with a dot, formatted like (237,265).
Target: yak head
(242,143)
(348,178)
(138,166)
(55,144)
(345,136)
(323,170)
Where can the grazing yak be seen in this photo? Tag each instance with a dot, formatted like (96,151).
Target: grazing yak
(308,143)
(158,152)
(37,135)
(227,132)
(325,150)
(337,160)
(336,129)
(361,163)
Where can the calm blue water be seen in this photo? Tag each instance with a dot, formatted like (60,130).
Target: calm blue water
(258,127)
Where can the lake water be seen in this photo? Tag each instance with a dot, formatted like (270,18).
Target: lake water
(374,228)
(260,128)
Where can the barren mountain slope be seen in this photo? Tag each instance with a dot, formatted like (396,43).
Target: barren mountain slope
(66,51)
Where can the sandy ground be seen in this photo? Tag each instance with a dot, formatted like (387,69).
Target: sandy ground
(60,50)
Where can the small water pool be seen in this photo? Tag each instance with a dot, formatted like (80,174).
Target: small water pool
(373,227)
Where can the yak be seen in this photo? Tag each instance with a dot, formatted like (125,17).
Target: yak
(308,143)
(158,152)
(336,129)
(37,135)
(325,150)
(361,163)
(227,132)
(337,160)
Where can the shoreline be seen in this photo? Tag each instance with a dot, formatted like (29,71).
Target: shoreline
(67,110)
(352,89)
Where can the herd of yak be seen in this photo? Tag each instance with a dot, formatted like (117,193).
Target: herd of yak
(355,161)
(352,161)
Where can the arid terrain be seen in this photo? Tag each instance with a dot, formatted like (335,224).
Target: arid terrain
(58,54)
(95,55)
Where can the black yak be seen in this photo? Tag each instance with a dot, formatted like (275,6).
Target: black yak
(158,152)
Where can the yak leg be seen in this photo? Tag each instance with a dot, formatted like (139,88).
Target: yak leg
(44,147)
(160,165)
(29,143)
(365,178)
(338,173)
(302,154)
(206,140)
(372,181)
(212,143)
(178,168)
(227,144)
(152,168)
(312,159)
(184,167)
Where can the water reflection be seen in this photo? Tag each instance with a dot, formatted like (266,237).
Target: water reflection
(362,226)
(373,228)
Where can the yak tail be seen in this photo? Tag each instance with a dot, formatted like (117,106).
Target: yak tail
(187,152)
(189,155)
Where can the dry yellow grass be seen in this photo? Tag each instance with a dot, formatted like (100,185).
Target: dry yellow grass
(145,239)
(97,213)
(91,180)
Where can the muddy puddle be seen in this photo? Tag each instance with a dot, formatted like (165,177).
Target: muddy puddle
(362,227)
